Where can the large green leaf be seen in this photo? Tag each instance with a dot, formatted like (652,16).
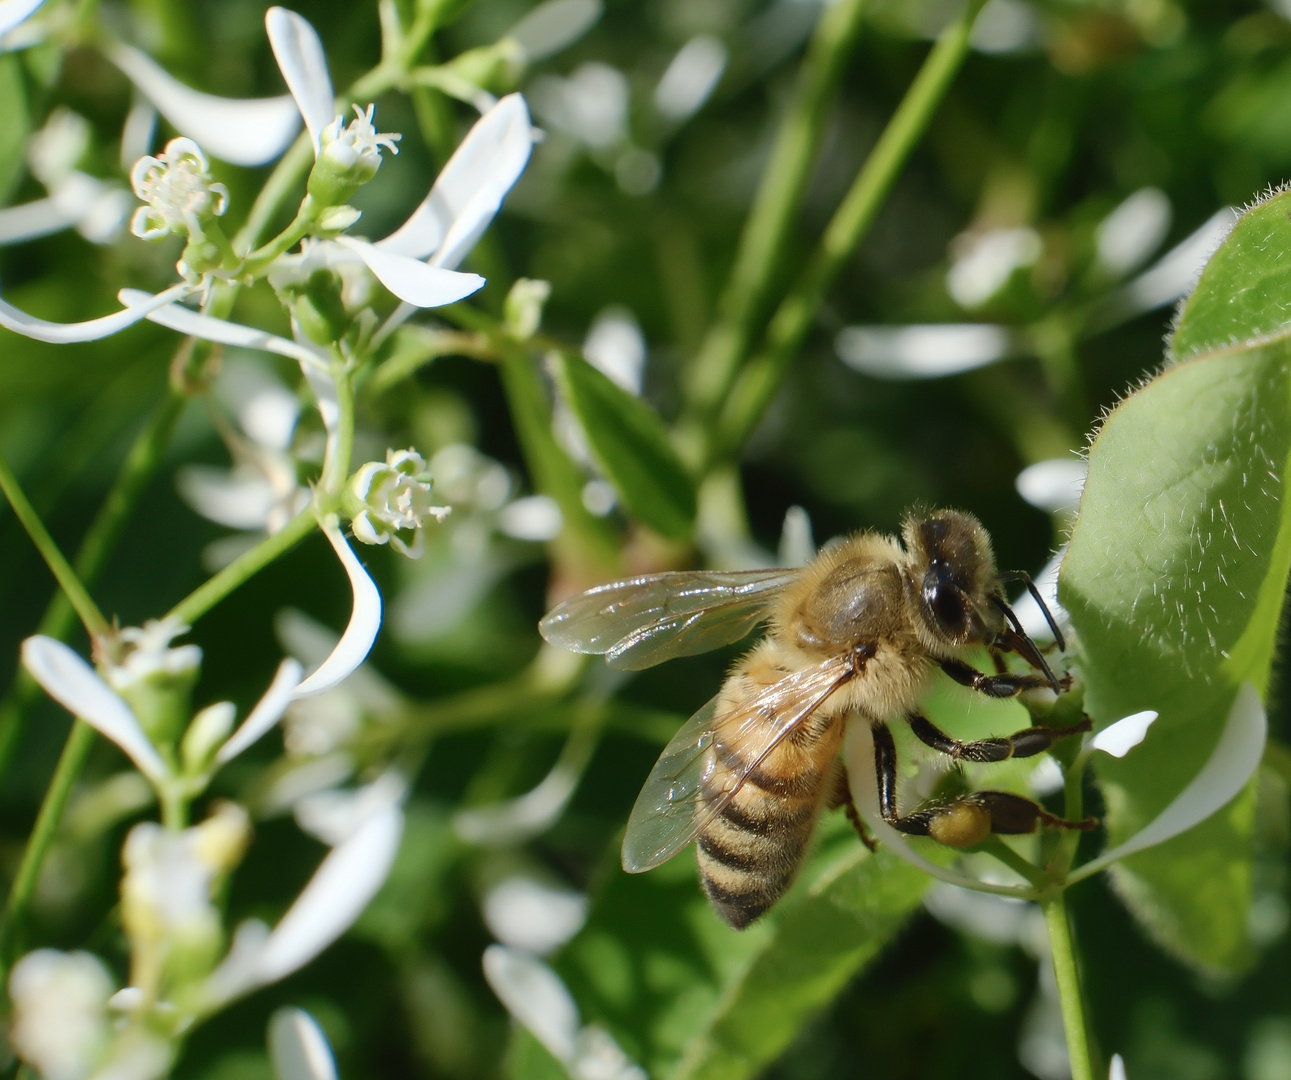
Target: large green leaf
(1176,572)
(631,445)
(687,997)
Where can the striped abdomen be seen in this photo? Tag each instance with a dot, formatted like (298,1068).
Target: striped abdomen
(749,853)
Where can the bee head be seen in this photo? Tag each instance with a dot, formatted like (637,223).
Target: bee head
(952,571)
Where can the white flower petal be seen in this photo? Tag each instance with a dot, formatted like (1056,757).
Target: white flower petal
(137,133)
(1135,229)
(691,77)
(267,712)
(336,815)
(304,68)
(1123,736)
(335,896)
(412,281)
(533,914)
(553,26)
(361,631)
(1054,485)
(67,333)
(33,220)
(186,321)
(237,498)
(536,997)
(250,131)
(13,12)
(923,351)
(237,971)
(1116,1071)
(858,753)
(616,346)
(469,191)
(797,544)
(76,686)
(1235,757)
(298,1048)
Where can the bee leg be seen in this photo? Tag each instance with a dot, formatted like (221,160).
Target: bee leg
(999,686)
(965,821)
(841,795)
(1022,744)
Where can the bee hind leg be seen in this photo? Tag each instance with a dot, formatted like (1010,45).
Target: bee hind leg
(965,821)
(1021,744)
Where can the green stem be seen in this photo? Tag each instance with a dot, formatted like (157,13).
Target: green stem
(768,228)
(70,764)
(336,466)
(72,586)
(762,376)
(1062,946)
(243,568)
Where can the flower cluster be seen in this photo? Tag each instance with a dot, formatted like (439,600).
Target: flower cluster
(395,501)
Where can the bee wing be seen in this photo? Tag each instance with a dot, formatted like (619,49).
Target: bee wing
(668,814)
(642,621)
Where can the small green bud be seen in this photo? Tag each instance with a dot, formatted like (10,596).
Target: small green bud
(349,156)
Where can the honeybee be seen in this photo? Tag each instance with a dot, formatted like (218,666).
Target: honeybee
(861,631)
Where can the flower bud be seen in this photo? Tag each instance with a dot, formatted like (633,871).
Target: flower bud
(523,308)
(155,679)
(319,308)
(205,735)
(390,502)
(348,158)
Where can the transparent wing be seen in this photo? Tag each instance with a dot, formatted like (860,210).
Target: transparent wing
(642,621)
(669,813)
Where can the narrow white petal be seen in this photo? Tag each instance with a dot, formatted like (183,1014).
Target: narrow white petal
(797,544)
(33,220)
(1054,485)
(553,26)
(248,131)
(411,280)
(1116,1071)
(1135,229)
(304,68)
(1235,757)
(923,351)
(137,133)
(336,895)
(536,997)
(267,712)
(691,77)
(298,1048)
(238,498)
(532,913)
(237,971)
(1123,736)
(360,633)
(336,815)
(468,193)
(76,686)
(68,333)
(186,321)
(12,12)
(858,753)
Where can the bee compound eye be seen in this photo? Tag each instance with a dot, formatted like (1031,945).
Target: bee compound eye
(946,603)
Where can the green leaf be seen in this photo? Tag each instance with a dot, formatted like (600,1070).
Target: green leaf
(631,445)
(1175,577)
(686,996)
(17,125)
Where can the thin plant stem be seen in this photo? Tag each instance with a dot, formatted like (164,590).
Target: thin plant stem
(1063,948)
(70,763)
(779,195)
(206,596)
(761,378)
(73,588)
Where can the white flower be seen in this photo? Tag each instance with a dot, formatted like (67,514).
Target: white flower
(1131,232)
(984,263)
(13,13)
(396,499)
(923,351)
(60,1021)
(181,195)
(144,653)
(690,78)
(356,146)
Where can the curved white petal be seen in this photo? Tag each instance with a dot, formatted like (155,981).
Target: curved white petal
(336,895)
(267,712)
(13,12)
(1053,485)
(187,321)
(76,686)
(411,280)
(1235,758)
(304,68)
(536,997)
(365,621)
(239,498)
(923,351)
(243,131)
(858,753)
(336,815)
(691,77)
(32,220)
(298,1048)
(67,333)
(1116,1070)
(554,25)
(1123,736)
(468,193)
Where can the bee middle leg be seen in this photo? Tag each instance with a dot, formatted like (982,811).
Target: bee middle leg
(841,795)
(965,821)
(1021,744)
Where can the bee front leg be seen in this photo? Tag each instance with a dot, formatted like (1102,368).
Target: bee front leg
(1022,744)
(965,821)
(999,686)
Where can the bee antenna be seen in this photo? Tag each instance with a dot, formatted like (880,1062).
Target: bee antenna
(1025,578)
(1036,657)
